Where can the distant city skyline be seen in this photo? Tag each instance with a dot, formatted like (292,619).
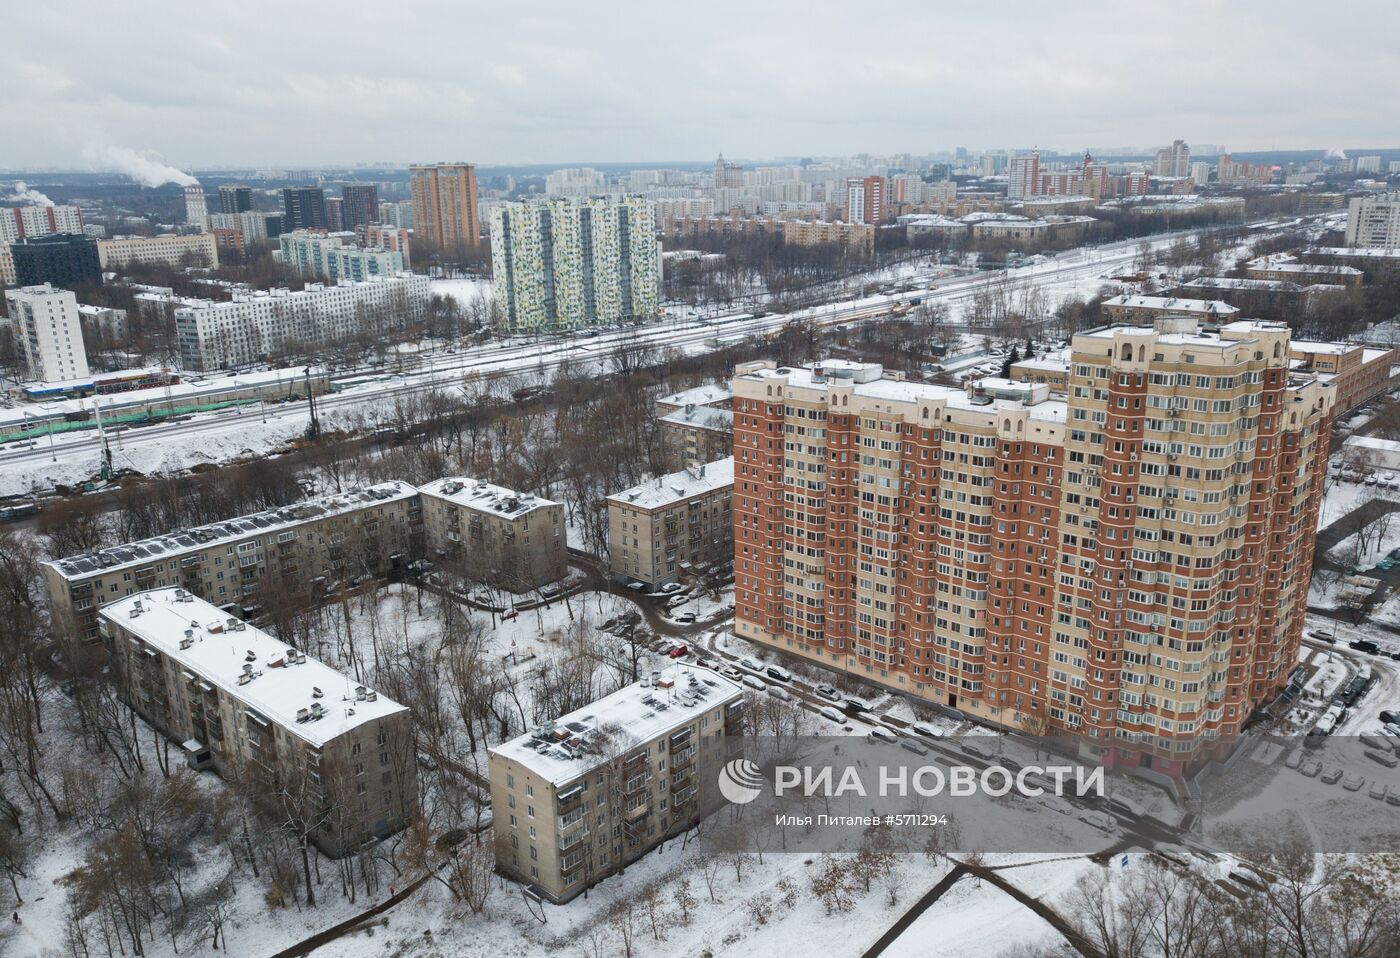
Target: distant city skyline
(655,84)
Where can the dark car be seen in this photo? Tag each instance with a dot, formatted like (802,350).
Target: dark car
(1390,718)
(1364,645)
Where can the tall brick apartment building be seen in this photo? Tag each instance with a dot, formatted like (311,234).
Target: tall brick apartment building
(1129,564)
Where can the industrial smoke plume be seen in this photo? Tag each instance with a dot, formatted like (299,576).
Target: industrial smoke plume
(23,194)
(143,170)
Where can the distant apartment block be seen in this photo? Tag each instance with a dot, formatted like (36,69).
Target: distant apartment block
(1374,221)
(17,222)
(568,265)
(304,208)
(255,326)
(167,249)
(1129,564)
(235,199)
(306,738)
(1174,160)
(63,259)
(314,542)
(359,205)
(335,257)
(48,332)
(252,224)
(660,529)
(392,238)
(865,200)
(579,799)
(196,207)
(669,211)
(445,203)
(398,214)
(512,539)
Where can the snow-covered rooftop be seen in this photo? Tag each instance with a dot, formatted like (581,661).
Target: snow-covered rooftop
(577,742)
(1365,252)
(698,396)
(678,486)
(176,544)
(218,651)
(1213,307)
(483,496)
(702,417)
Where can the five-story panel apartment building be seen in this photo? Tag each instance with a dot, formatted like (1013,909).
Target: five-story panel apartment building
(1129,564)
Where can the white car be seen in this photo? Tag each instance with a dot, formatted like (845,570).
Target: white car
(927,731)
(832,715)
(755,683)
(750,664)
(779,693)
(883,734)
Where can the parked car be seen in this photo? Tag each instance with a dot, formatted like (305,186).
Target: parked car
(779,674)
(707,662)
(883,734)
(1390,718)
(1247,878)
(827,692)
(926,730)
(685,618)
(1353,783)
(679,651)
(779,693)
(914,746)
(750,664)
(755,683)
(1332,776)
(1321,636)
(1365,645)
(856,706)
(1311,769)
(1382,758)
(1377,790)
(732,673)
(1294,760)
(833,715)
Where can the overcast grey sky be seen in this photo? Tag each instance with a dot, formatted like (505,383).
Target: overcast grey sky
(207,84)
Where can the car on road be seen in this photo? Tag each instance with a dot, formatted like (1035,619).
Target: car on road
(827,692)
(1365,645)
(833,715)
(778,673)
(911,745)
(509,615)
(1104,823)
(883,734)
(755,683)
(1332,776)
(1321,636)
(685,618)
(551,591)
(926,730)
(679,650)
(780,693)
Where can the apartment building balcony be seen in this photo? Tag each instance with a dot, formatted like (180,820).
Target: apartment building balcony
(568,801)
(571,863)
(682,797)
(680,782)
(637,784)
(572,839)
(683,759)
(636,812)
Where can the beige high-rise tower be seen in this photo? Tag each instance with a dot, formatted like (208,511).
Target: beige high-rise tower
(444,203)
